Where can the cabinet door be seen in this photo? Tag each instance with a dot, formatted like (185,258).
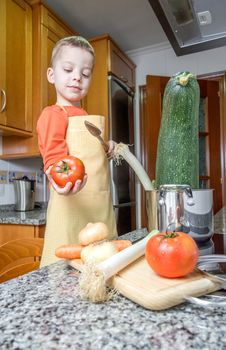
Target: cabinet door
(16,64)
(9,232)
(121,66)
(47,30)
(52,30)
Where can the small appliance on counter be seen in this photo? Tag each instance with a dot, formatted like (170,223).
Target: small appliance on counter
(24,189)
(200,216)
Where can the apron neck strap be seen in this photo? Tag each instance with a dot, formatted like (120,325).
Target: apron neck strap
(62,107)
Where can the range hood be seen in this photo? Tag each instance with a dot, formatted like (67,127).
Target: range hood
(192,25)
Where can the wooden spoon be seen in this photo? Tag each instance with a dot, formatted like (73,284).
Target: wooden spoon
(95,131)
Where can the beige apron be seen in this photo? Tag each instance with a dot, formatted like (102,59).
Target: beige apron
(67,215)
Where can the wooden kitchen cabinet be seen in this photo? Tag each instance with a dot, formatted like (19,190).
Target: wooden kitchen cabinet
(16,68)
(110,59)
(20,249)
(120,65)
(47,30)
(10,232)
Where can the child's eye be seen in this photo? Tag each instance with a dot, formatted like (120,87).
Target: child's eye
(85,75)
(67,70)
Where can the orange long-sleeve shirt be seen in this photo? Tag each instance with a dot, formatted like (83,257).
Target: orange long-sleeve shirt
(52,127)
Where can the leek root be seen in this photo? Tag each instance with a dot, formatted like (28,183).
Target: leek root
(93,278)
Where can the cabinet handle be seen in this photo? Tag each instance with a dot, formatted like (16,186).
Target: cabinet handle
(4,100)
(125,80)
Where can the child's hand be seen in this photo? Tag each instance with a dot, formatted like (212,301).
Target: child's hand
(68,189)
(111,147)
(79,185)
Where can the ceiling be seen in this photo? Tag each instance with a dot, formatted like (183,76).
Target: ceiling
(131,23)
(134,24)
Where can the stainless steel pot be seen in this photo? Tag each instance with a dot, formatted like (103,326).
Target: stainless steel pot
(165,207)
(24,190)
(177,207)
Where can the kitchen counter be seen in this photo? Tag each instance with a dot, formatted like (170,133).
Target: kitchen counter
(43,310)
(38,217)
(33,217)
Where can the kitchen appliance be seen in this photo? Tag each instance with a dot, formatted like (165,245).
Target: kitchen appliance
(121,129)
(24,189)
(177,207)
(200,216)
(192,25)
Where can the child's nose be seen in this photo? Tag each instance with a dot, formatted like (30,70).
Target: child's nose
(77,75)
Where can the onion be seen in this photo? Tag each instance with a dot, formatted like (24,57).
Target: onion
(93,232)
(96,253)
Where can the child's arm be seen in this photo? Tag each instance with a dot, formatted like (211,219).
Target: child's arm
(68,189)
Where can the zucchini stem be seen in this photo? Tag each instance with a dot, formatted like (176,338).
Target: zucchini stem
(183,80)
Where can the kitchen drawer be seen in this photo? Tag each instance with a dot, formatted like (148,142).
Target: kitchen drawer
(121,66)
(9,232)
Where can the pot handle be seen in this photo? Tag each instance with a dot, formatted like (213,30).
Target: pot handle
(190,199)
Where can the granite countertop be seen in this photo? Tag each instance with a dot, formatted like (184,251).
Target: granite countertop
(8,215)
(38,217)
(42,310)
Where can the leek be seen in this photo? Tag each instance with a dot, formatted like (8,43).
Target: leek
(122,151)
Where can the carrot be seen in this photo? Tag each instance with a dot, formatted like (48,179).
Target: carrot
(73,251)
(69,251)
(122,244)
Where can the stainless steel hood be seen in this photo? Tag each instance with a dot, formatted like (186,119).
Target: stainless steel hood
(192,25)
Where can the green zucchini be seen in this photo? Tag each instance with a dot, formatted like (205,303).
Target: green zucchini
(178,142)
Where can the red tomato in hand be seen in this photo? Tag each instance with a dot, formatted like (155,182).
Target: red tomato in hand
(172,254)
(67,169)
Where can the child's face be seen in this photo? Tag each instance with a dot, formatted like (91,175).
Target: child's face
(71,74)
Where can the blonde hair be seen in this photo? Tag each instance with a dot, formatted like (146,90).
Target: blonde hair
(73,41)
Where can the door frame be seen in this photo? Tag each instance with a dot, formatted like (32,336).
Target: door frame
(221,78)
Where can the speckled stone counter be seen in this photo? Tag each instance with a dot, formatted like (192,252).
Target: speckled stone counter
(43,310)
(34,217)
(38,217)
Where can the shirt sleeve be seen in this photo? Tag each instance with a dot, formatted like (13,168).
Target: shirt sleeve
(51,128)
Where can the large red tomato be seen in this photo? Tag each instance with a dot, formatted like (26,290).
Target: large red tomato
(67,169)
(172,254)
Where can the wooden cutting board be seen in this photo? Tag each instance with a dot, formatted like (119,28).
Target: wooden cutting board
(139,283)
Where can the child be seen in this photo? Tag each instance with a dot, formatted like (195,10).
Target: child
(61,131)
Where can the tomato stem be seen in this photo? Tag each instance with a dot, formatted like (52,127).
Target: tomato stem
(170,235)
(63,168)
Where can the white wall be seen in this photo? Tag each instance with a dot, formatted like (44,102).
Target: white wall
(32,167)
(161,60)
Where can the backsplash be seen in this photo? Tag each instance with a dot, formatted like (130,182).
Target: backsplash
(17,168)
